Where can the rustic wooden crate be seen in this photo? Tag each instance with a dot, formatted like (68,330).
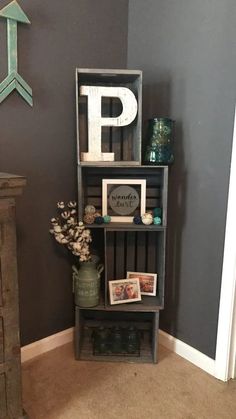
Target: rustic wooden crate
(87,320)
(90,185)
(137,251)
(125,141)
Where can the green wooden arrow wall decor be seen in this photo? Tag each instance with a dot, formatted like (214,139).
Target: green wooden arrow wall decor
(14,14)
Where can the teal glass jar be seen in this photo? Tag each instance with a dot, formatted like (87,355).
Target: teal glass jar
(159,148)
(100,338)
(132,342)
(116,339)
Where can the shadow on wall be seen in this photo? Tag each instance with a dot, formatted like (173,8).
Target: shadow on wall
(176,220)
(155,104)
(158,99)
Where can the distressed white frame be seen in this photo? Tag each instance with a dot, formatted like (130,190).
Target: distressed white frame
(121,218)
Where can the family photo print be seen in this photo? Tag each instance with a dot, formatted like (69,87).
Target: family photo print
(124,291)
(147,281)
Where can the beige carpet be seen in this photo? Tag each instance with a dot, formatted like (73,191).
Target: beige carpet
(55,386)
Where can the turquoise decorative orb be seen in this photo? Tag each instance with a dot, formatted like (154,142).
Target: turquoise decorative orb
(157,212)
(157,220)
(107,219)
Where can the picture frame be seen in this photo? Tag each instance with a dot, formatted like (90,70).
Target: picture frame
(147,281)
(123,199)
(124,291)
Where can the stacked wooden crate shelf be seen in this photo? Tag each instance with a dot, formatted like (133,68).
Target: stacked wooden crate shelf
(126,247)
(123,246)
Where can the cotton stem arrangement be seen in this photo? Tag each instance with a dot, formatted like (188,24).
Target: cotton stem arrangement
(70,232)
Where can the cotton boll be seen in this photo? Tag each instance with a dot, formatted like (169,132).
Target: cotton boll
(57,229)
(72,204)
(65,215)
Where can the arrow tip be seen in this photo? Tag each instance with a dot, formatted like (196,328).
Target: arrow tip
(15,12)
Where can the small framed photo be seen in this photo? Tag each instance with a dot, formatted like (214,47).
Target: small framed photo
(123,199)
(124,291)
(147,281)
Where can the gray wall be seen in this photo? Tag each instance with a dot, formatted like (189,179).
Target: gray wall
(40,143)
(187,50)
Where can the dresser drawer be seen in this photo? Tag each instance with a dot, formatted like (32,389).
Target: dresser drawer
(3,401)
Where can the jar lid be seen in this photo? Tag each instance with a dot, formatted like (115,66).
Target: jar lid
(161,119)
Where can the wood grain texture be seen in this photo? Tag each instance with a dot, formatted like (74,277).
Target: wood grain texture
(155,329)
(3,400)
(10,379)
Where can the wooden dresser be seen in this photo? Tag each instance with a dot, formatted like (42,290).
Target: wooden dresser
(10,359)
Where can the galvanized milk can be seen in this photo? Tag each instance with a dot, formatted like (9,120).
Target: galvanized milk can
(86,284)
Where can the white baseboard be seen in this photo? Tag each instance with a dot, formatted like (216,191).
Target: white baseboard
(187,352)
(47,344)
(180,348)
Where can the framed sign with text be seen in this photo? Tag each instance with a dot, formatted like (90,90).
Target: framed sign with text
(123,199)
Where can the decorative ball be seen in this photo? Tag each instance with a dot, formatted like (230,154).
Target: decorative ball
(147,218)
(137,220)
(107,219)
(157,220)
(90,209)
(89,219)
(157,212)
(97,214)
(99,220)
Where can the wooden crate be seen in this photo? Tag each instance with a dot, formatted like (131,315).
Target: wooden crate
(124,142)
(136,251)
(88,320)
(90,185)
(131,250)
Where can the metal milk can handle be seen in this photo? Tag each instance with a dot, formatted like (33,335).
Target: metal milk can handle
(100,268)
(74,275)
